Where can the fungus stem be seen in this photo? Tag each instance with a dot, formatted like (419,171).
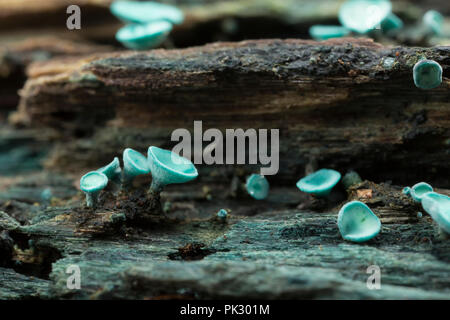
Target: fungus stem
(92,199)
(156,186)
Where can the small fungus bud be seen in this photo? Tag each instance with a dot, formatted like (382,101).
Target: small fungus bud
(257,186)
(427,74)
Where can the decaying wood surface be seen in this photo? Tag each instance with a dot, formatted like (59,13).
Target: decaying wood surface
(266,249)
(341,104)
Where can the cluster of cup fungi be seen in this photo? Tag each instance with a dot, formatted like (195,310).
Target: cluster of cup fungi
(362,17)
(148,25)
(166,167)
(356,221)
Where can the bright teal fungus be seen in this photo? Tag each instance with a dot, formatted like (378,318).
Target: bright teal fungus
(143,12)
(168,167)
(391,23)
(357,223)
(91,184)
(418,190)
(222,214)
(363,16)
(438,207)
(322,32)
(434,21)
(320,182)
(112,171)
(406,190)
(134,164)
(427,74)
(144,36)
(257,186)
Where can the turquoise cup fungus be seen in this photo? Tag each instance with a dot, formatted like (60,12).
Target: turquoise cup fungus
(391,23)
(257,186)
(363,16)
(433,21)
(324,32)
(112,171)
(144,36)
(142,12)
(427,74)
(320,182)
(438,207)
(134,164)
(357,223)
(418,190)
(91,184)
(167,167)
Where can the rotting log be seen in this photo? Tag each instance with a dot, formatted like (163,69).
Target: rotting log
(339,104)
(279,253)
(16,56)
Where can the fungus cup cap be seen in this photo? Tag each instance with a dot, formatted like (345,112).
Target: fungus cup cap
(364,15)
(438,207)
(135,162)
(167,167)
(419,190)
(324,32)
(143,36)
(146,11)
(93,181)
(357,223)
(319,183)
(112,169)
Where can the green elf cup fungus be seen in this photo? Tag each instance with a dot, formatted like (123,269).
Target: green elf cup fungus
(323,32)
(134,164)
(363,16)
(257,186)
(438,207)
(427,74)
(142,12)
(112,171)
(144,36)
(320,182)
(433,21)
(418,190)
(391,23)
(357,223)
(168,167)
(91,184)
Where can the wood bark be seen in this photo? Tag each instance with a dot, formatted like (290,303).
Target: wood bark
(339,104)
